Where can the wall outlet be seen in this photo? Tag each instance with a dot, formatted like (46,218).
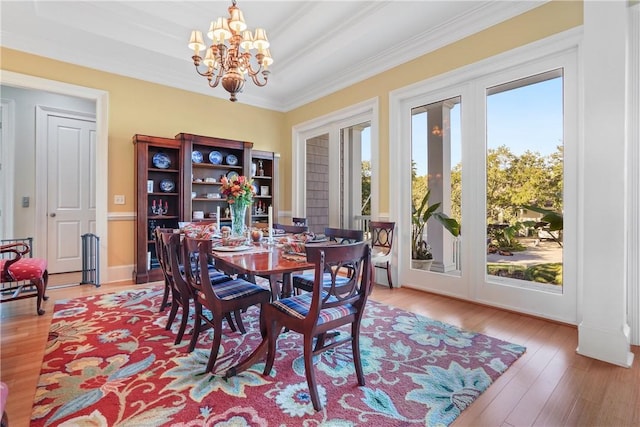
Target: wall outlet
(118,199)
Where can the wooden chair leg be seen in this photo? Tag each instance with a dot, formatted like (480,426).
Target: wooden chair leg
(232,325)
(389,276)
(184,320)
(196,327)
(355,346)
(172,313)
(215,346)
(41,286)
(238,318)
(165,297)
(310,372)
(272,332)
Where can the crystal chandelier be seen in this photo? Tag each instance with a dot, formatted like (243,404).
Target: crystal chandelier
(230,56)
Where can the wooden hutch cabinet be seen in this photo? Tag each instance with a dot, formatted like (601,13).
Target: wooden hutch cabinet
(159,198)
(178,179)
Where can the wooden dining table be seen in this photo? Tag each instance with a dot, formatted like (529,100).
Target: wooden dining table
(262,260)
(267,261)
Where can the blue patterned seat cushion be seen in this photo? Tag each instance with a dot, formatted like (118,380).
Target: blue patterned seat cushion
(305,281)
(298,306)
(234,289)
(215,275)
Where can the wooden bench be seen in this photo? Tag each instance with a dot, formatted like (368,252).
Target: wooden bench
(22,276)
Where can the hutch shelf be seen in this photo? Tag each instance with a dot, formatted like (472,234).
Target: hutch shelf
(158,171)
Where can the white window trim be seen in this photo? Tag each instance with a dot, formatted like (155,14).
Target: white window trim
(331,124)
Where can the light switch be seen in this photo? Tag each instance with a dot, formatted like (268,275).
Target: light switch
(25,201)
(118,199)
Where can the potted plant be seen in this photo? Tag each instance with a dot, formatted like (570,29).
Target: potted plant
(421,256)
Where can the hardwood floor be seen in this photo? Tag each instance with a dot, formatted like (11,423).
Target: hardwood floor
(550,385)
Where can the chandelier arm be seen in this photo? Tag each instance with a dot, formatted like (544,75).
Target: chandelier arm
(217,80)
(205,74)
(257,82)
(251,71)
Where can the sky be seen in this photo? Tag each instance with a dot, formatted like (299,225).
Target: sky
(526,118)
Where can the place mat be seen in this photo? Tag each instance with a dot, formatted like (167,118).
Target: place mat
(295,257)
(255,250)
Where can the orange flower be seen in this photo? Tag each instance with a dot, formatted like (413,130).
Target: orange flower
(239,190)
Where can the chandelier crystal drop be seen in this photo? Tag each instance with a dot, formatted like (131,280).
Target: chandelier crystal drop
(235,52)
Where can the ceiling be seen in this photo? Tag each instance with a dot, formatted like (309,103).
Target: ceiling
(318,47)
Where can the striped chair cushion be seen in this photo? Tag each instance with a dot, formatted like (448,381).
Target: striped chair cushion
(233,289)
(305,281)
(25,269)
(215,276)
(298,306)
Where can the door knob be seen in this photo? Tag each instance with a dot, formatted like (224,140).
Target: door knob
(53,214)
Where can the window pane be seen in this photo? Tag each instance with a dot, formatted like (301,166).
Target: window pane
(525,181)
(436,178)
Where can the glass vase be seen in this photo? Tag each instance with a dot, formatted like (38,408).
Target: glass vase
(238,216)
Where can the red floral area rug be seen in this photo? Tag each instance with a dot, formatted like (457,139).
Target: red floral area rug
(110,362)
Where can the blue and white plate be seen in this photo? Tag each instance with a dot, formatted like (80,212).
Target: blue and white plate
(161,161)
(167,186)
(232,160)
(215,157)
(196,157)
(255,189)
(232,176)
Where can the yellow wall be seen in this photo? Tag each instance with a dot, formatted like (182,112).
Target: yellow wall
(140,107)
(549,19)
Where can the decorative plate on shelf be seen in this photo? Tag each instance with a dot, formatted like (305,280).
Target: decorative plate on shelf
(196,157)
(232,176)
(161,161)
(215,157)
(232,160)
(255,189)
(167,186)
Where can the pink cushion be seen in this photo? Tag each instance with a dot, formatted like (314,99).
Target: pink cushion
(26,268)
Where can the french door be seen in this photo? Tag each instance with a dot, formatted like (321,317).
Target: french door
(498,150)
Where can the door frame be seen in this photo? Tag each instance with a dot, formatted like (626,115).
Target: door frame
(8,152)
(101,99)
(43,113)
(332,124)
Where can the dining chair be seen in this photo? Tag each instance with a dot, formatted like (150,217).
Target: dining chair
(293,229)
(299,221)
(343,235)
(305,281)
(221,299)
(157,233)
(381,245)
(22,273)
(330,305)
(181,293)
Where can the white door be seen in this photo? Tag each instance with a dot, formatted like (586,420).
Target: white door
(71,198)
